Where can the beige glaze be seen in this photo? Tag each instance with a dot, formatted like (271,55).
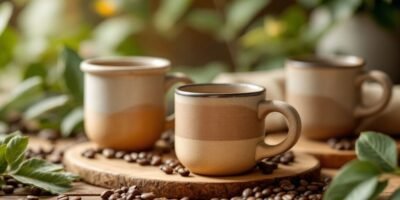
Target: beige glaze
(220,127)
(326,92)
(125,100)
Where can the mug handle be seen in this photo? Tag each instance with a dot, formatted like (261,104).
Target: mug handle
(294,128)
(382,79)
(171,80)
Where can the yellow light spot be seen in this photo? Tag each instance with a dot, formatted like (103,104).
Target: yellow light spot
(273,27)
(105,7)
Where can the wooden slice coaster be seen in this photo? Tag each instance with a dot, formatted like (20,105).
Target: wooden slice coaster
(114,173)
(328,157)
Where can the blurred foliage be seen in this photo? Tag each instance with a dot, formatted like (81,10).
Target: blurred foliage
(46,39)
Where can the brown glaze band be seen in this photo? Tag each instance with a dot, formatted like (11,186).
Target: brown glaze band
(327,62)
(218,122)
(185,90)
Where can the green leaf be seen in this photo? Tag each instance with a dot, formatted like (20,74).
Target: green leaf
(351,175)
(35,69)
(395,195)
(377,148)
(239,14)
(24,94)
(45,106)
(16,148)
(112,32)
(6,138)
(37,172)
(3,160)
(379,189)
(73,76)
(6,9)
(71,121)
(364,190)
(206,20)
(43,166)
(169,13)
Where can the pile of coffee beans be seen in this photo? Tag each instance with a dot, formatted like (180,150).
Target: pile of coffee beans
(127,193)
(51,155)
(286,190)
(171,166)
(268,165)
(150,158)
(282,190)
(342,144)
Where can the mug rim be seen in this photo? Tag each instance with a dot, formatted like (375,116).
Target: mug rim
(258,90)
(326,61)
(147,64)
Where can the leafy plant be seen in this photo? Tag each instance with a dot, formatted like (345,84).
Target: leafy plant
(37,172)
(366,177)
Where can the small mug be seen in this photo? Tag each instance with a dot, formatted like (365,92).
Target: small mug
(219,128)
(326,90)
(125,100)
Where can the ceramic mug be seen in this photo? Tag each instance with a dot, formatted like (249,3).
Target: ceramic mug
(327,93)
(219,128)
(125,100)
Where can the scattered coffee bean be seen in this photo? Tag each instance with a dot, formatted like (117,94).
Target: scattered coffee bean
(183,172)
(342,144)
(106,194)
(8,189)
(76,198)
(155,160)
(167,169)
(120,154)
(90,153)
(108,153)
(143,161)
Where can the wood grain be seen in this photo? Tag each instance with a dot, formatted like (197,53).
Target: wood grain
(114,173)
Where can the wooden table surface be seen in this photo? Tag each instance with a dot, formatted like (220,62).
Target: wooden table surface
(91,192)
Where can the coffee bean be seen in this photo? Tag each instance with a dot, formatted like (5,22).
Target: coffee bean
(90,153)
(155,160)
(166,169)
(265,168)
(247,192)
(148,196)
(32,197)
(106,194)
(76,198)
(128,158)
(134,156)
(109,153)
(120,154)
(8,189)
(143,161)
(183,172)
(312,187)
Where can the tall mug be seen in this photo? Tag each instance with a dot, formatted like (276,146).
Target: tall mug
(326,91)
(125,100)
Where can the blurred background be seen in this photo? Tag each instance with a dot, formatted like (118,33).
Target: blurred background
(43,41)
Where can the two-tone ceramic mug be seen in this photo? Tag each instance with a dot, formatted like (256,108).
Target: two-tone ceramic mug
(124,104)
(327,93)
(219,128)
